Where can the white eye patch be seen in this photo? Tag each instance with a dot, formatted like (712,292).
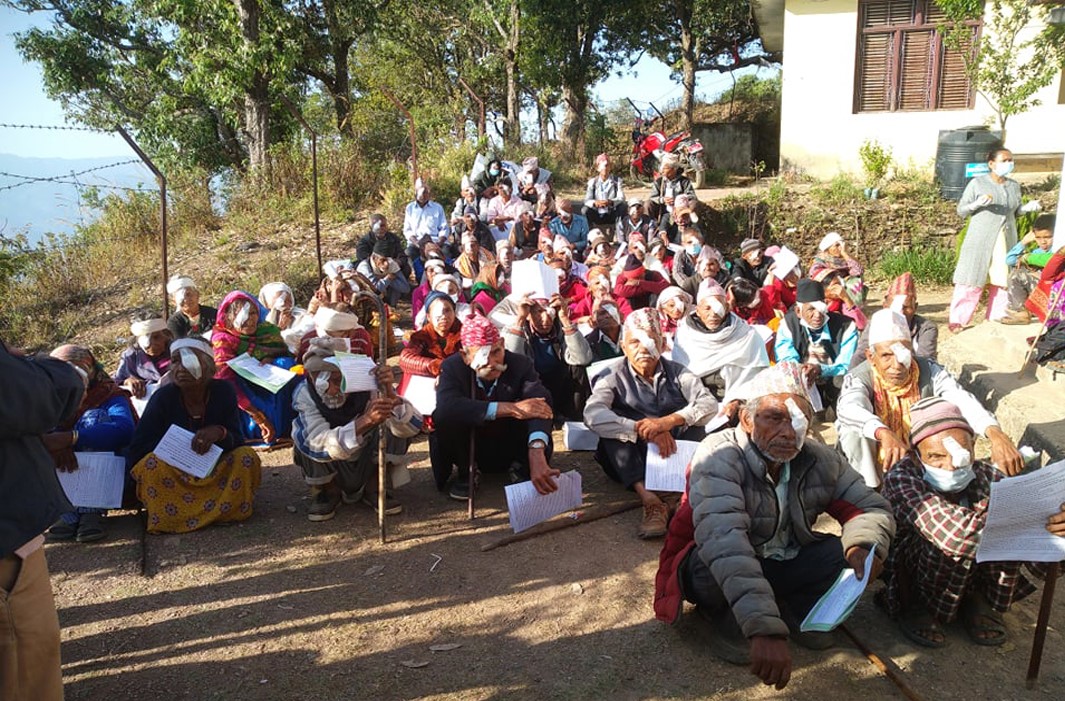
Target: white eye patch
(480,358)
(144,342)
(959,456)
(897,303)
(190,362)
(321,383)
(716,305)
(646,341)
(820,306)
(902,354)
(798,421)
(242,314)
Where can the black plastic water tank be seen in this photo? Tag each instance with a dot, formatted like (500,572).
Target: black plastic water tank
(956,148)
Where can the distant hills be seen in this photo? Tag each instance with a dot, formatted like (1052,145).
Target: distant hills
(37,208)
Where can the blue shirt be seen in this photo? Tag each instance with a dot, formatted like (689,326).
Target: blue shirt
(576,233)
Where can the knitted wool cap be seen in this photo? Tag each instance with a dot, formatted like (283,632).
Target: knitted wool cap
(934,415)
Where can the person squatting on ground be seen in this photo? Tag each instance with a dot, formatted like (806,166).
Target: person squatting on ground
(336,435)
(38,394)
(644,399)
(874,405)
(939,496)
(742,545)
(497,396)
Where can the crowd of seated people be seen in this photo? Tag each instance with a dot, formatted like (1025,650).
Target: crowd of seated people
(739,347)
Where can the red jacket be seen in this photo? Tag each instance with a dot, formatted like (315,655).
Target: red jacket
(638,296)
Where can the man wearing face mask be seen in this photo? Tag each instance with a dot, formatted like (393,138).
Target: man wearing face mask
(874,425)
(637,221)
(742,545)
(940,497)
(718,347)
(604,199)
(190,318)
(822,341)
(484,185)
(573,227)
(335,435)
(645,399)
(497,395)
(686,274)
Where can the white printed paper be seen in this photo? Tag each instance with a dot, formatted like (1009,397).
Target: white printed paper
(358,372)
(527,507)
(141,404)
(175,449)
(267,376)
(532,276)
(1015,529)
(668,474)
(719,421)
(421,393)
(98,481)
(839,601)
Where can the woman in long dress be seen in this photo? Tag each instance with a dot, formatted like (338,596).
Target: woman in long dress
(992,202)
(176,501)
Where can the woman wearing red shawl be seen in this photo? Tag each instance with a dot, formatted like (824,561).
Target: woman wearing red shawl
(489,289)
(430,345)
(103,423)
(237,331)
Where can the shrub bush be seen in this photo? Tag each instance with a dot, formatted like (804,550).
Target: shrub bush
(927,262)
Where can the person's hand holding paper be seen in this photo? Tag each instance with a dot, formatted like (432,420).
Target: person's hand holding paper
(856,557)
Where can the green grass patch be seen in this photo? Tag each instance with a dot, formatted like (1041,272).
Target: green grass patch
(927,263)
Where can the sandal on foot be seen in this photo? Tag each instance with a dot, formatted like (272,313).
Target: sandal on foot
(61,530)
(90,528)
(978,617)
(919,627)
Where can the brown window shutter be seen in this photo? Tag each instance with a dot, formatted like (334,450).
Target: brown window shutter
(917,59)
(874,73)
(886,13)
(955,88)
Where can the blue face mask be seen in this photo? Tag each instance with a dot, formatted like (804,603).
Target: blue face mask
(493,171)
(694,249)
(1003,168)
(948,480)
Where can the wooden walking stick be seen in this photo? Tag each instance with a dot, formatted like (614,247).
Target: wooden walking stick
(1051,306)
(1041,625)
(382,353)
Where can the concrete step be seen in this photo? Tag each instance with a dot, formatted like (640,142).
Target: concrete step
(987,360)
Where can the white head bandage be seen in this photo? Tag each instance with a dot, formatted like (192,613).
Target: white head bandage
(830,240)
(190,362)
(143,330)
(179,282)
(902,354)
(897,303)
(326,319)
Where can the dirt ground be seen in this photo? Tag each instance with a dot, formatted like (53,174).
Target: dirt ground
(281,608)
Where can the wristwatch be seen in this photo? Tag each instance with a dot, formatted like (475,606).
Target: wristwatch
(538,444)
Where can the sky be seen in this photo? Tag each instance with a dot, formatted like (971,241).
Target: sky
(23,100)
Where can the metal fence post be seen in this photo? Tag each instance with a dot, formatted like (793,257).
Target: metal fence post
(162,209)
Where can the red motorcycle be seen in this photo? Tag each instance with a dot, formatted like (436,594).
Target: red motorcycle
(648,148)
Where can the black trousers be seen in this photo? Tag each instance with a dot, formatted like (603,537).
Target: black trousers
(609,219)
(798,582)
(497,446)
(626,462)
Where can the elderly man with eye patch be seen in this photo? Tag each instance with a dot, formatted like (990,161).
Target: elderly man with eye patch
(742,545)
(823,342)
(874,420)
(645,399)
(940,497)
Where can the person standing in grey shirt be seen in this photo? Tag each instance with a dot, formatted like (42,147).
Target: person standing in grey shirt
(992,202)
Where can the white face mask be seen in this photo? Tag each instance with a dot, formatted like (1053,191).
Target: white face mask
(190,362)
(1003,168)
(948,480)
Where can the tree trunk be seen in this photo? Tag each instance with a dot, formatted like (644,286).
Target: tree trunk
(512,130)
(687,56)
(575,98)
(256,95)
(543,116)
(342,89)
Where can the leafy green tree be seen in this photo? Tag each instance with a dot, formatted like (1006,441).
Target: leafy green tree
(692,36)
(1007,69)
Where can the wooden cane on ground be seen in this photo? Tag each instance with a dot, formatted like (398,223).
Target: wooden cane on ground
(1041,625)
(382,354)
(1051,306)
(886,667)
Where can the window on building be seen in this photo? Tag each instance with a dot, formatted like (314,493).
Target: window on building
(903,62)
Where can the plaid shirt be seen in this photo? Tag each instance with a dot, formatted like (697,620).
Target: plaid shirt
(934,555)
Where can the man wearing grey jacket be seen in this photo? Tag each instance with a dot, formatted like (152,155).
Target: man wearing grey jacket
(742,544)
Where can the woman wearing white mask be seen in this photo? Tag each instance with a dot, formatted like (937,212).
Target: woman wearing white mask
(939,496)
(992,203)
